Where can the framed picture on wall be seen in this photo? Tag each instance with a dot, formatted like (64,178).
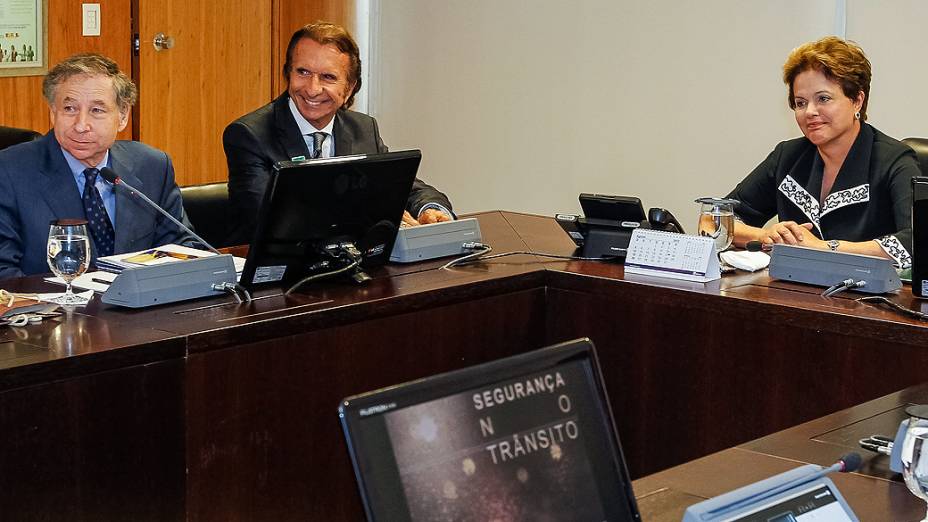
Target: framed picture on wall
(23,37)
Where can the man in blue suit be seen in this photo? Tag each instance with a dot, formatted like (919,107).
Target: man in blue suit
(57,176)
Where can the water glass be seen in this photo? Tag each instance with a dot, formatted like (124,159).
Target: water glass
(69,254)
(717,220)
(914,453)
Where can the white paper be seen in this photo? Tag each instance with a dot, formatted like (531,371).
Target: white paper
(87,281)
(55,298)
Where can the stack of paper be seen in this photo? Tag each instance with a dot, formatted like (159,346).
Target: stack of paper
(157,256)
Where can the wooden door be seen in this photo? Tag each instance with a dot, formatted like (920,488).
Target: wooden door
(290,15)
(218,69)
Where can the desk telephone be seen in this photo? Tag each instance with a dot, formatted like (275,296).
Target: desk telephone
(608,221)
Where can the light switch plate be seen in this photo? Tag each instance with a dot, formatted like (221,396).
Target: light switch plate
(90,19)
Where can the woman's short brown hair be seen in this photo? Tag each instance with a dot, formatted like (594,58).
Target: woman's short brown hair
(841,61)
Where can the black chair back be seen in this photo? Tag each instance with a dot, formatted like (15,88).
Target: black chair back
(920,146)
(208,208)
(10,136)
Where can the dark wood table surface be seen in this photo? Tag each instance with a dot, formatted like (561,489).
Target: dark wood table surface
(208,410)
(874,492)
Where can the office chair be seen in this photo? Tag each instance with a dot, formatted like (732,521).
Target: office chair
(11,136)
(208,208)
(920,146)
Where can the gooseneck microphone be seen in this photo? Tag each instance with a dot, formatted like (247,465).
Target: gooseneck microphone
(757,246)
(111,177)
(847,463)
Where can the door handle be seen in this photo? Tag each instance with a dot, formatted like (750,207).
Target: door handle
(163,42)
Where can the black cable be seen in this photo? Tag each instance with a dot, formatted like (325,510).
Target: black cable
(314,277)
(880,300)
(834,288)
(461,261)
(236,289)
(480,248)
(244,292)
(847,284)
(229,288)
(543,254)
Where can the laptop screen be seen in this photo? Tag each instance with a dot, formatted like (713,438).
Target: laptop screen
(529,437)
(311,207)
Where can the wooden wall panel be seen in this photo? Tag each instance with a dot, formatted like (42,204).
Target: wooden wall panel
(103,446)
(22,104)
(218,70)
(290,15)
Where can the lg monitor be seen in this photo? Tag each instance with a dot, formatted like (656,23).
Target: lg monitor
(317,216)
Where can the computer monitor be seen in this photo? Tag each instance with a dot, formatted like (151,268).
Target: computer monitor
(314,208)
(529,437)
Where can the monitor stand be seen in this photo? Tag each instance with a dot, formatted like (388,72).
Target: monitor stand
(339,252)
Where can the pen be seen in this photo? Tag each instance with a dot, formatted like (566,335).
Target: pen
(101,281)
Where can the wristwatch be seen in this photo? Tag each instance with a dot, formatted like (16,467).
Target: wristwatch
(833,244)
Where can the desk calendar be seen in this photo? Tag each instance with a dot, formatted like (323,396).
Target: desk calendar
(677,256)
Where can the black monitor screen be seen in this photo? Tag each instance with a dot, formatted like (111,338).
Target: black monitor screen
(309,206)
(529,437)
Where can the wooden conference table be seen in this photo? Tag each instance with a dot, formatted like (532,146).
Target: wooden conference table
(209,410)
(874,492)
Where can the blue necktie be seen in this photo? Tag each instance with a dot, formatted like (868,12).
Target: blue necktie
(101,228)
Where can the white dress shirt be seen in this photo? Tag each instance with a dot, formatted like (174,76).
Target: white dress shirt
(307,129)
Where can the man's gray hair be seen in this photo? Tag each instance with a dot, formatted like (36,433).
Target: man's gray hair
(93,65)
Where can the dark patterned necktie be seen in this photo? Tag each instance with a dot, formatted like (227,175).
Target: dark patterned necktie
(101,228)
(318,140)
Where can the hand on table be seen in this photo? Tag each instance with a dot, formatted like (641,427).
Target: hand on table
(427,216)
(408,220)
(433,215)
(790,233)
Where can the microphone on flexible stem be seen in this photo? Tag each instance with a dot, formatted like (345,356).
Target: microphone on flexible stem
(847,463)
(757,246)
(111,177)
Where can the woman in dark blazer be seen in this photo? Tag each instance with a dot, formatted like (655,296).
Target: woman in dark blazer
(844,185)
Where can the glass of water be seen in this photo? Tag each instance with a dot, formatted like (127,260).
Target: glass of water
(717,220)
(69,254)
(914,454)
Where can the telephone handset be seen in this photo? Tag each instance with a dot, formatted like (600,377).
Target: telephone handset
(662,219)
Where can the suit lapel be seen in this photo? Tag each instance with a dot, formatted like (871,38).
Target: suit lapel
(852,185)
(344,139)
(855,170)
(126,227)
(288,133)
(56,182)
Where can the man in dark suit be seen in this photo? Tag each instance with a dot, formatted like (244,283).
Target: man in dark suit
(311,120)
(57,176)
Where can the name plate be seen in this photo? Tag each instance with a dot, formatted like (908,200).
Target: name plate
(676,256)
